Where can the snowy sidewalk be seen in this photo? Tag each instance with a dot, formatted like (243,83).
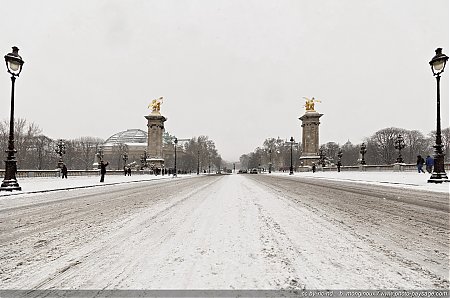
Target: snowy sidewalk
(44,184)
(410,180)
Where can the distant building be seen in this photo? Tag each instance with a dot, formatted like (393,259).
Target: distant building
(131,141)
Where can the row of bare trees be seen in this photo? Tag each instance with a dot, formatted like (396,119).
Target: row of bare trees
(275,151)
(37,151)
(380,150)
(196,152)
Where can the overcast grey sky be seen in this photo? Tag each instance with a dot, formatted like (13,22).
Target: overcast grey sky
(233,70)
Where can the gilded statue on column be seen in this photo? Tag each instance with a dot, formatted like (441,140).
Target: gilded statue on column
(156,105)
(309,105)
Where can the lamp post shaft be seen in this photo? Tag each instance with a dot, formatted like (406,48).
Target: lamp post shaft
(10,182)
(175,162)
(438,113)
(270,163)
(11,121)
(438,175)
(291,169)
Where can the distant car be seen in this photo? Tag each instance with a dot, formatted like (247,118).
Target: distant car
(254,171)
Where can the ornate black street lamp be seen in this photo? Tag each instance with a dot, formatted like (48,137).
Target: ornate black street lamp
(60,150)
(270,162)
(322,157)
(291,168)
(14,65)
(437,67)
(363,151)
(399,145)
(175,159)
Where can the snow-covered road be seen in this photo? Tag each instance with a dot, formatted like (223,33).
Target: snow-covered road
(227,232)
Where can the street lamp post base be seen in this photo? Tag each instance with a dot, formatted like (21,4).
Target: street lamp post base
(438,178)
(10,185)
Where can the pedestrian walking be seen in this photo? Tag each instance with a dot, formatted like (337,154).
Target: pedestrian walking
(129,171)
(103,166)
(314,167)
(420,162)
(125,170)
(429,163)
(339,164)
(64,171)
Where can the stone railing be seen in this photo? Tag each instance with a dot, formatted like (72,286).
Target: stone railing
(57,173)
(379,168)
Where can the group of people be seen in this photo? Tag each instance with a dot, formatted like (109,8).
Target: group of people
(103,165)
(126,171)
(428,162)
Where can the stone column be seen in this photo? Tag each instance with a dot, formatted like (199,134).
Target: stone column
(310,138)
(155,141)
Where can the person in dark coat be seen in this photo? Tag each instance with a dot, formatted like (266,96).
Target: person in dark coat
(64,171)
(129,171)
(420,162)
(125,170)
(103,166)
(314,167)
(339,165)
(429,163)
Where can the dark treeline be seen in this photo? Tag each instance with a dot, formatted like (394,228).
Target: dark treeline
(35,151)
(380,150)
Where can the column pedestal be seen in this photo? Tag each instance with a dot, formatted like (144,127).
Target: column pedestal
(310,138)
(155,141)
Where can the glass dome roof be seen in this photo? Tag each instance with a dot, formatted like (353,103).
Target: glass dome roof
(128,136)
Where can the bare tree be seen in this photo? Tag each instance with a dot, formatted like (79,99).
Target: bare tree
(381,146)
(330,150)
(416,144)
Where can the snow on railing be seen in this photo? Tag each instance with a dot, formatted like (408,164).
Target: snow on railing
(57,173)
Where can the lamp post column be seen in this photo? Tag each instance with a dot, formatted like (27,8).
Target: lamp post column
(270,162)
(175,161)
(291,168)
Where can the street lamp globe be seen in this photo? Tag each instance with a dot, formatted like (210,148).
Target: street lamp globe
(438,62)
(14,62)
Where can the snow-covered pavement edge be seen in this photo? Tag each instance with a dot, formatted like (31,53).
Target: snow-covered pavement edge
(409,180)
(46,184)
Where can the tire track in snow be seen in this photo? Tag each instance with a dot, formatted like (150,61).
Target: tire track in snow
(330,209)
(99,263)
(65,238)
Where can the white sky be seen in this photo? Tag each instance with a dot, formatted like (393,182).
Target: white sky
(233,70)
